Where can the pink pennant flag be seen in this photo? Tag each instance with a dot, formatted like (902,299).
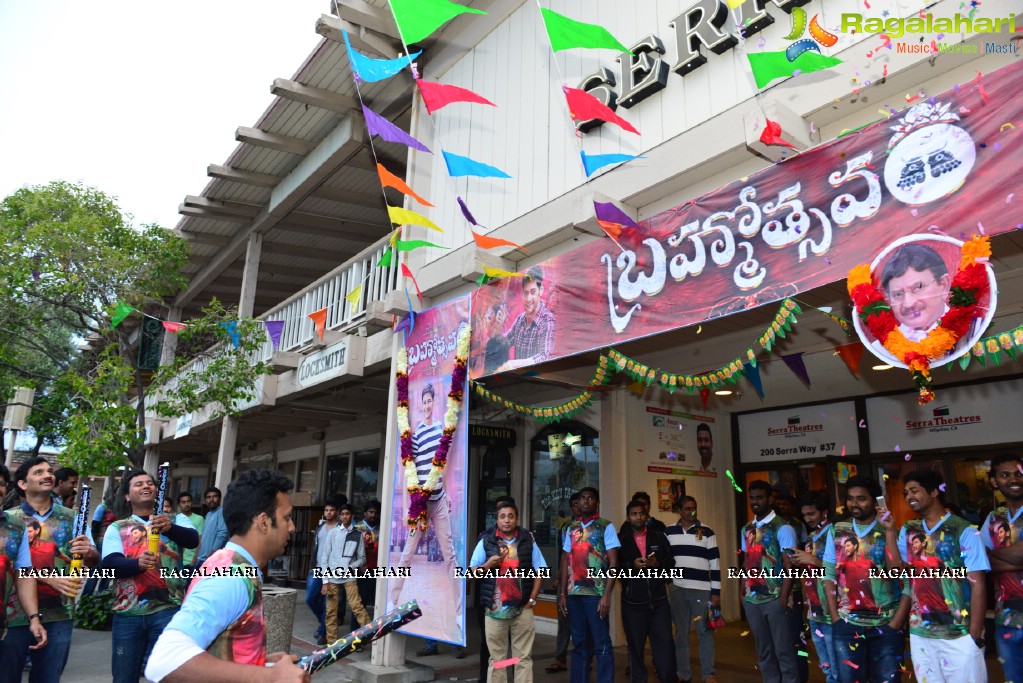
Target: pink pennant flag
(176,328)
(439,95)
(408,273)
(274,328)
(583,106)
(771,135)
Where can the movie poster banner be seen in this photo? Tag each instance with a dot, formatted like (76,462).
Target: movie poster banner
(433,556)
(948,164)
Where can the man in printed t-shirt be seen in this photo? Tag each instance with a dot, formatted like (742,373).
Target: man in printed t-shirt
(144,601)
(591,542)
(815,507)
(868,614)
(762,541)
(946,624)
(1002,534)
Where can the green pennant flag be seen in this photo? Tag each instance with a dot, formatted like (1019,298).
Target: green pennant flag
(768,66)
(566,33)
(385,260)
(121,311)
(409,245)
(417,19)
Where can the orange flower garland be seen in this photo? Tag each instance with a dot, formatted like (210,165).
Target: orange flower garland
(970,285)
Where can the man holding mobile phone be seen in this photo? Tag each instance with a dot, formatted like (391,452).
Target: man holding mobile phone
(645,610)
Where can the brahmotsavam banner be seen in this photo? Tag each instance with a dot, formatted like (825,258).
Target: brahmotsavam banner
(433,556)
(948,164)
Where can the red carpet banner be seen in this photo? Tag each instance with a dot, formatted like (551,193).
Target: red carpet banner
(948,164)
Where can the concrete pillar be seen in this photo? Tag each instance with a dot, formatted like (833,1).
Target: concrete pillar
(152,460)
(614,493)
(250,275)
(170,341)
(225,456)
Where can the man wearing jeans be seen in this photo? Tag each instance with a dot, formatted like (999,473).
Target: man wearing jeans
(816,509)
(584,595)
(314,584)
(144,601)
(695,548)
(868,614)
(1002,534)
(766,592)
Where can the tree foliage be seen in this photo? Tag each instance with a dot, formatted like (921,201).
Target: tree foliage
(71,256)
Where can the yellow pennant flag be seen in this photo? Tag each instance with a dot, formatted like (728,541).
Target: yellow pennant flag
(497,272)
(401,216)
(733,4)
(354,297)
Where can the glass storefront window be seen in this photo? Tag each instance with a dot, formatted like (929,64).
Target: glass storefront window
(364,477)
(337,475)
(565,458)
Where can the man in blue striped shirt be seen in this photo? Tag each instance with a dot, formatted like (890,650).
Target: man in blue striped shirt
(696,553)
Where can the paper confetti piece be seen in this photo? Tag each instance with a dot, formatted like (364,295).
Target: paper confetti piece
(744,633)
(729,473)
(505,663)
(908,457)
(848,663)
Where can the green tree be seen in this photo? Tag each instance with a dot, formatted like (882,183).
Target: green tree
(71,257)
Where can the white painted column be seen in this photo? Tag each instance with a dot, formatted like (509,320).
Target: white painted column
(170,340)
(225,455)
(614,493)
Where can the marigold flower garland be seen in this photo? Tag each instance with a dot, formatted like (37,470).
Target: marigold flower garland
(420,494)
(969,287)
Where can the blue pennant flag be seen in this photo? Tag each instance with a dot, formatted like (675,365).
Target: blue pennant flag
(372,70)
(462,166)
(592,162)
(752,372)
(232,331)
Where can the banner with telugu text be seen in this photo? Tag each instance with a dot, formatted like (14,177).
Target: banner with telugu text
(947,164)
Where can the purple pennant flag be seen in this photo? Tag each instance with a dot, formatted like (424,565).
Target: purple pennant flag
(274,328)
(378,125)
(797,366)
(468,214)
(752,373)
(609,213)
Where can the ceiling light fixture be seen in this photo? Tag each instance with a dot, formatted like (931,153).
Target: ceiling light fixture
(723,392)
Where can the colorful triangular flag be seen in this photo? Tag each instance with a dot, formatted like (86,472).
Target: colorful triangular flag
(400,216)
(593,162)
(436,96)
(768,66)
(465,212)
(274,329)
(231,326)
(386,258)
(851,354)
(464,166)
(492,273)
(417,19)
(486,242)
(409,245)
(582,106)
(797,366)
(388,179)
(566,33)
(704,396)
(121,311)
(408,273)
(173,327)
(319,319)
(378,125)
(752,373)
(771,135)
(612,220)
(372,70)
(354,297)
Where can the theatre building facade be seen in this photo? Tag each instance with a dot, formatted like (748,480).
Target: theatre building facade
(721,266)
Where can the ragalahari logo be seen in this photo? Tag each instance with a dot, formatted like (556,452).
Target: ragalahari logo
(819,36)
(889,28)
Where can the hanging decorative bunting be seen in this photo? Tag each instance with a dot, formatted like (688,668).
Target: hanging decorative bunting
(851,354)
(768,66)
(582,106)
(464,166)
(121,311)
(752,372)
(400,216)
(593,162)
(385,258)
(468,214)
(563,411)
(378,125)
(172,327)
(274,329)
(417,19)
(408,273)
(409,245)
(797,366)
(388,179)
(485,242)
(613,220)
(319,319)
(771,135)
(565,33)
(354,297)
(497,272)
(372,70)
(704,396)
(436,96)
(231,327)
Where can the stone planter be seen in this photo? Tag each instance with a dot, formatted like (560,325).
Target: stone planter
(279,613)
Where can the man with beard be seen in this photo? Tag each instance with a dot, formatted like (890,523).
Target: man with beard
(531,337)
(766,597)
(220,632)
(214,531)
(144,601)
(1002,534)
(370,528)
(185,508)
(868,614)
(816,509)
(705,446)
(49,526)
(946,639)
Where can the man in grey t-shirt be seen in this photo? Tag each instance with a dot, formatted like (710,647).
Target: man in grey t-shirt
(314,585)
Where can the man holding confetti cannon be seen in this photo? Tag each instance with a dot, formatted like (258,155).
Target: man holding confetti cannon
(57,537)
(146,592)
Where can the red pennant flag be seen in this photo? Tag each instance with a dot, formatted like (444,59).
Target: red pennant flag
(851,354)
(408,273)
(438,95)
(704,395)
(584,106)
(485,242)
(771,135)
(319,319)
(388,179)
(173,327)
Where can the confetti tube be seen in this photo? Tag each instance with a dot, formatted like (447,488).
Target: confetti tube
(361,637)
(81,520)
(161,493)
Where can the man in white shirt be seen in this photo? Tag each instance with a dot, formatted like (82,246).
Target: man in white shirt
(345,555)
